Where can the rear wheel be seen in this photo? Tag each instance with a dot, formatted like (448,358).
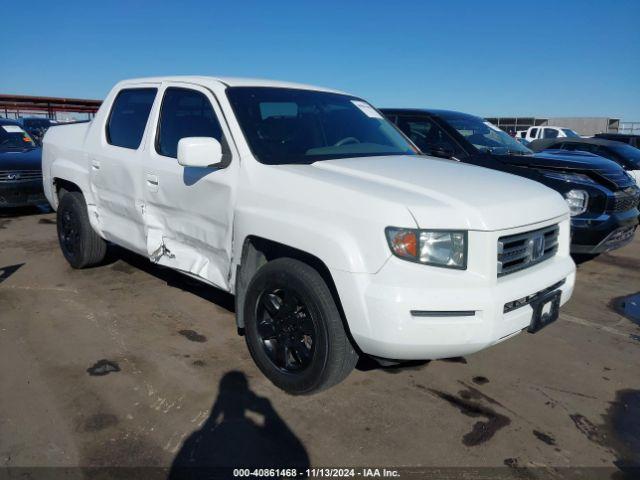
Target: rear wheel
(80,244)
(294,330)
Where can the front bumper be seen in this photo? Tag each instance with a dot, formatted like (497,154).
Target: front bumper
(22,194)
(604,233)
(465,309)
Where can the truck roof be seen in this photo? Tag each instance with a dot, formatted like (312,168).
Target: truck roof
(227,81)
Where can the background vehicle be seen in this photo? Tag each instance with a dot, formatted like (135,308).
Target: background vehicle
(625,155)
(310,207)
(535,133)
(36,127)
(633,140)
(602,197)
(20,167)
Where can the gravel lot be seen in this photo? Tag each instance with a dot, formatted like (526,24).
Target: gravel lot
(129,364)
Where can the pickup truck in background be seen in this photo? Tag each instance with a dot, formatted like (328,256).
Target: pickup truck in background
(336,238)
(535,133)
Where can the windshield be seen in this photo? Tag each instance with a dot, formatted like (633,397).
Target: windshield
(285,125)
(570,133)
(13,137)
(483,135)
(629,153)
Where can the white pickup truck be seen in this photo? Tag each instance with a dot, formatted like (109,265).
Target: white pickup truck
(335,237)
(536,133)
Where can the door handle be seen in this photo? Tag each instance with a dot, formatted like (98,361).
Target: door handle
(152,182)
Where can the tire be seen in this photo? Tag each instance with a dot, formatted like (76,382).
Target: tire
(289,308)
(80,244)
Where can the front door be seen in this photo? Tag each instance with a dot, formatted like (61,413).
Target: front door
(188,211)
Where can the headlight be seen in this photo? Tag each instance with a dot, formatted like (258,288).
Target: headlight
(442,248)
(567,176)
(577,201)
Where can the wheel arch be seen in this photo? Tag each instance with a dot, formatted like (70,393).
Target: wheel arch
(257,251)
(68,176)
(62,186)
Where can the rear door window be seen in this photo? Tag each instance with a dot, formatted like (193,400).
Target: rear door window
(549,133)
(128,117)
(187,113)
(534,133)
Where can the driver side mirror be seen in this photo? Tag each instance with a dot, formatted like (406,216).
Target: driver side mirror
(441,152)
(199,152)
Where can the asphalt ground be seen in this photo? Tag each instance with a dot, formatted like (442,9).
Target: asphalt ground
(132,365)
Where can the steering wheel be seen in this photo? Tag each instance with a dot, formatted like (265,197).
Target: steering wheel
(346,141)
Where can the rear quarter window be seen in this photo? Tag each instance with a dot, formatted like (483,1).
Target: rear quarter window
(128,117)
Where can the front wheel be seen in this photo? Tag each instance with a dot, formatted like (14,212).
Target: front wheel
(80,244)
(294,330)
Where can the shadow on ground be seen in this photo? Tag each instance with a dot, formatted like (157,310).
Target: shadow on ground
(6,272)
(243,430)
(9,212)
(367,364)
(173,278)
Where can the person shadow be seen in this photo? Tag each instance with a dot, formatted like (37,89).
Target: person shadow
(229,439)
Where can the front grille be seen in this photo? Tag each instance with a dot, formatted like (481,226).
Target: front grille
(20,175)
(625,200)
(523,250)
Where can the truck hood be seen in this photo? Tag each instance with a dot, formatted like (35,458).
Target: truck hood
(29,159)
(445,193)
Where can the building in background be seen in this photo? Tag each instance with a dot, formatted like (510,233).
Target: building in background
(585,126)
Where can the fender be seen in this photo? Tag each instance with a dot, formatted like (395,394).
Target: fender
(72,172)
(338,247)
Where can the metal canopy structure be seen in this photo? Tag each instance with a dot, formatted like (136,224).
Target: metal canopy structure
(22,105)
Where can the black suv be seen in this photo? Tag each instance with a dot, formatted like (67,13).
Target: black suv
(602,197)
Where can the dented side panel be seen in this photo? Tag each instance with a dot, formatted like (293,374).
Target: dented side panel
(116,180)
(188,211)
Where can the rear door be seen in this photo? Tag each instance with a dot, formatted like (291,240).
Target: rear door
(115,160)
(188,211)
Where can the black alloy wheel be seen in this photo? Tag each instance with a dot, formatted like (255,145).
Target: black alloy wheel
(294,329)
(286,329)
(69,232)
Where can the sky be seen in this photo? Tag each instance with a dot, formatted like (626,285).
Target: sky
(490,58)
